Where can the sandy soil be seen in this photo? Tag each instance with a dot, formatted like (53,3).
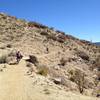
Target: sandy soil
(15,84)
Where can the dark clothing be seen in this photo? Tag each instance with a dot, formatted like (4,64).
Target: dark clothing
(18,56)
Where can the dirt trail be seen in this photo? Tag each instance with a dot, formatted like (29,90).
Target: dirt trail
(12,84)
(15,84)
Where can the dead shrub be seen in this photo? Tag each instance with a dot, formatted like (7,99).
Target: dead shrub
(98,76)
(46,91)
(58,31)
(61,38)
(28,64)
(44,33)
(51,36)
(62,62)
(3,59)
(43,70)
(33,59)
(96,91)
(52,28)
(96,64)
(83,55)
(35,24)
(9,45)
(79,78)
(12,54)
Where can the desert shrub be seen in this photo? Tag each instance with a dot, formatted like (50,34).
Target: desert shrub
(28,64)
(62,62)
(47,91)
(96,91)
(12,53)
(53,37)
(71,59)
(96,64)
(79,78)
(2,47)
(32,24)
(75,49)
(43,70)
(35,24)
(9,45)
(44,33)
(3,59)
(60,40)
(4,17)
(58,31)
(98,76)
(97,80)
(83,55)
(52,28)
(33,59)
(61,37)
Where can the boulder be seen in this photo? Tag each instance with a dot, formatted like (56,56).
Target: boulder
(57,80)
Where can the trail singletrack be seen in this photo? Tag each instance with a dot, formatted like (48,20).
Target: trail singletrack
(13,83)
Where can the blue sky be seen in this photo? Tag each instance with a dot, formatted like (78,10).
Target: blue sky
(80,18)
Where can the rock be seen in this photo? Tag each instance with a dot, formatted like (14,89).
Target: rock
(57,80)
(56,67)
(11,61)
(26,58)
(98,95)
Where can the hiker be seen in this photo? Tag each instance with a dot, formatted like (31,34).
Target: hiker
(18,56)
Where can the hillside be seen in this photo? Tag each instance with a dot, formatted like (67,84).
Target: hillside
(97,43)
(55,66)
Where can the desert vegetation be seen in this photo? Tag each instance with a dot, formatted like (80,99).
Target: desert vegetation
(43,70)
(51,58)
(3,59)
(79,78)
